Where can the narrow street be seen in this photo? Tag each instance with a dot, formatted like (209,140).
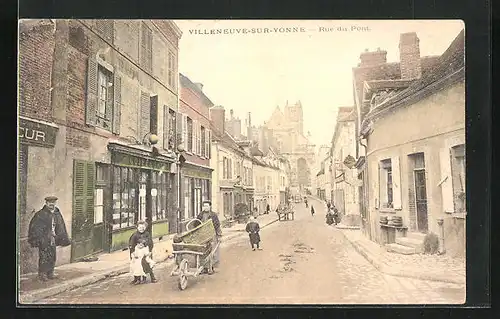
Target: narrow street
(302,262)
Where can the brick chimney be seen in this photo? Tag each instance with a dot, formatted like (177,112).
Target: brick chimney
(373,58)
(218,118)
(409,56)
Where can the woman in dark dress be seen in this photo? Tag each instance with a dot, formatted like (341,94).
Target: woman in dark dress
(253,229)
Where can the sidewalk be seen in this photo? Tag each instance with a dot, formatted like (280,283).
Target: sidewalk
(420,266)
(74,275)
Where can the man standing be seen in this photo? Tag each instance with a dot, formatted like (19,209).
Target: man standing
(206,214)
(47,231)
(253,228)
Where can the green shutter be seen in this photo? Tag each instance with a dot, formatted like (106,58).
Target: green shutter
(89,197)
(91,107)
(83,199)
(145,115)
(117,103)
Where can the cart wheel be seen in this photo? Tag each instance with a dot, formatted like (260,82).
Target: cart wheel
(183,280)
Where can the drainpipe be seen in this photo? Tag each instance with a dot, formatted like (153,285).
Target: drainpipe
(366,185)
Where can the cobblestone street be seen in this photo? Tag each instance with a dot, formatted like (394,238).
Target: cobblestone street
(302,261)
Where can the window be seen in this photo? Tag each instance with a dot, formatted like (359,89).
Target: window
(171,69)
(146,48)
(153,114)
(190,146)
(105,103)
(203,142)
(230,169)
(386,191)
(101,181)
(169,128)
(103,100)
(125,201)
(160,189)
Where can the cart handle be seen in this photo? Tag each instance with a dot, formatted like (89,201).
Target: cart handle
(192,220)
(187,252)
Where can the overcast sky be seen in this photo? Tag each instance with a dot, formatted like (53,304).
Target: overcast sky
(255,72)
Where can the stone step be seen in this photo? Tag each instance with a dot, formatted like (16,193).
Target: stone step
(399,249)
(416,235)
(410,242)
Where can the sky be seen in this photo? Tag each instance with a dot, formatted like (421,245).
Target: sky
(255,72)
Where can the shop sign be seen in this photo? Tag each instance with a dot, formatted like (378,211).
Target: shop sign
(36,133)
(139,162)
(196,173)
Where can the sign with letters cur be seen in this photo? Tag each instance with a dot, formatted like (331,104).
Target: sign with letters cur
(36,133)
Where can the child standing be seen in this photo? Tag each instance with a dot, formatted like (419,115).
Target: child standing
(136,268)
(143,235)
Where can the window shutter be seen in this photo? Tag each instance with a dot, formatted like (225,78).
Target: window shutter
(144,116)
(89,196)
(193,135)
(209,141)
(91,109)
(184,131)
(117,104)
(198,137)
(396,183)
(376,178)
(446,180)
(153,121)
(166,124)
(178,130)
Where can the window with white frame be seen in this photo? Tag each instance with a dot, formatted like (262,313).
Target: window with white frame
(190,146)
(386,187)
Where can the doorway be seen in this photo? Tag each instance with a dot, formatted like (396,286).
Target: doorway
(421,200)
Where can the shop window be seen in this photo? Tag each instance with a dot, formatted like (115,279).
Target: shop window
(100,185)
(124,197)
(160,188)
(188,206)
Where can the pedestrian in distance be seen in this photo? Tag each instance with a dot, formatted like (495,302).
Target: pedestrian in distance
(268,209)
(305,201)
(253,229)
(142,235)
(312,210)
(46,231)
(141,263)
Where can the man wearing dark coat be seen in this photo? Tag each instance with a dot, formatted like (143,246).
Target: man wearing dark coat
(47,231)
(253,229)
(206,214)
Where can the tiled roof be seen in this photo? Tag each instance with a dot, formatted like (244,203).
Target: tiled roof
(186,82)
(450,62)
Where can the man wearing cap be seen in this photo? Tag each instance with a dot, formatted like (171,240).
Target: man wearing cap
(205,215)
(47,231)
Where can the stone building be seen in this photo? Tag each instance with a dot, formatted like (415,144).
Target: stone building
(196,173)
(93,97)
(267,177)
(412,124)
(232,178)
(344,191)
(233,126)
(284,131)
(321,169)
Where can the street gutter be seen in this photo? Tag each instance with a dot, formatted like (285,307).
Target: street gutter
(39,294)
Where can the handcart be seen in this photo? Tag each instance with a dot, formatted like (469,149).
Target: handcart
(194,251)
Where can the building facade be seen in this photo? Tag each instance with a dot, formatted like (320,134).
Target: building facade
(418,173)
(106,91)
(344,190)
(195,134)
(233,176)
